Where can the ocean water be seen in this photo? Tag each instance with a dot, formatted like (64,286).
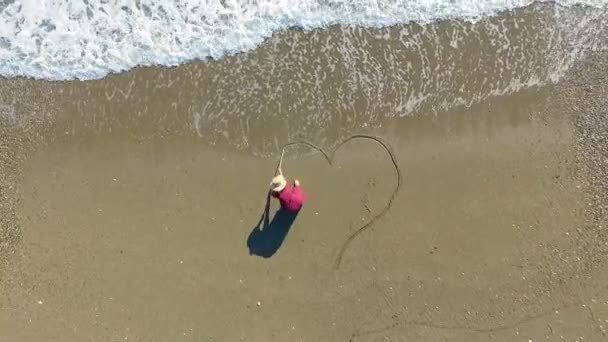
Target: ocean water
(89,39)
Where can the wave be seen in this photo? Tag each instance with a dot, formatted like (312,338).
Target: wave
(89,39)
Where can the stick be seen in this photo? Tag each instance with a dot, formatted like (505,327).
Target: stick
(279,170)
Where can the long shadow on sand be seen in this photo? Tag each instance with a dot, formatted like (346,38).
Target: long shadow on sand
(267,237)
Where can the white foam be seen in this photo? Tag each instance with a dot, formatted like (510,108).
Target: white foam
(87,39)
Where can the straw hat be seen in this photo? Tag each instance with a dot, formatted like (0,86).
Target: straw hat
(278,183)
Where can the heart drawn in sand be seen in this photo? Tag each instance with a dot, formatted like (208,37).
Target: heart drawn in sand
(329,157)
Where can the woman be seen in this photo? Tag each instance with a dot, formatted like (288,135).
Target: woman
(291,197)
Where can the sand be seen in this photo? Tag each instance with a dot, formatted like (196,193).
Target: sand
(147,241)
(128,215)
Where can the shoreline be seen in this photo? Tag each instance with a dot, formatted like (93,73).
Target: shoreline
(318,85)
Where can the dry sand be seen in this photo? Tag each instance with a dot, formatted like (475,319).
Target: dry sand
(494,236)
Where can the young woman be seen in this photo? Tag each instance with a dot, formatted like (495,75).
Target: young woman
(291,197)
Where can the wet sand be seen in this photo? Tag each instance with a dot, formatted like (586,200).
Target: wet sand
(129,204)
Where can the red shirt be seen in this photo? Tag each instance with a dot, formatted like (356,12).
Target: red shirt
(292,198)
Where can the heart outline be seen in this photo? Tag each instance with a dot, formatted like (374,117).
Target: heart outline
(330,157)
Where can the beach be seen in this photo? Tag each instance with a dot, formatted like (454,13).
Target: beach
(130,204)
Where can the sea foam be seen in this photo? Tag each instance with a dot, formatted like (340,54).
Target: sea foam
(88,39)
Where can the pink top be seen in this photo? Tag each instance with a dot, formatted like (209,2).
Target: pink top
(292,198)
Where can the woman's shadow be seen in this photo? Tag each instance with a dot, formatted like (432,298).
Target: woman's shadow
(267,237)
